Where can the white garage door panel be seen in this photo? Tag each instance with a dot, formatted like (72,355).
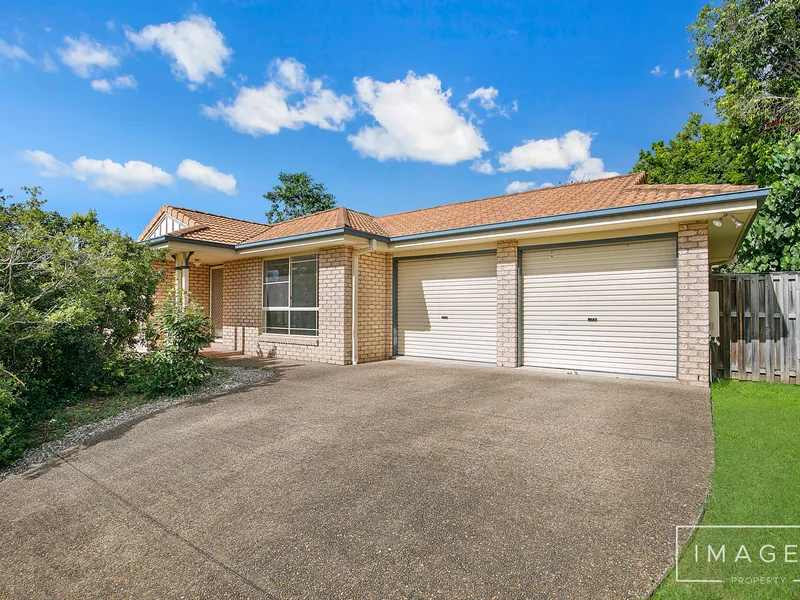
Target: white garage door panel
(464,290)
(631,289)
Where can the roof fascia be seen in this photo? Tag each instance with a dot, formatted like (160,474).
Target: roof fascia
(760,194)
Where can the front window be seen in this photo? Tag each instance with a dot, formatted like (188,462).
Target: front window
(290,303)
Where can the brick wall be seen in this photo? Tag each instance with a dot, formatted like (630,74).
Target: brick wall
(693,272)
(166,284)
(374,307)
(507,303)
(198,283)
(242,312)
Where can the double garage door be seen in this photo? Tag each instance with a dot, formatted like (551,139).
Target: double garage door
(604,308)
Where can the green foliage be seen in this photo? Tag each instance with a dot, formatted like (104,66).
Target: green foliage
(773,242)
(747,53)
(10,445)
(174,365)
(700,153)
(297,195)
(72,296)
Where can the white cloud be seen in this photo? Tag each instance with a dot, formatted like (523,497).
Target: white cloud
(132,177)
(486,97)
(119,83)
(289,100)
(678,73)
(553,153)
(48,64)
(483,166)
(414,120)
(101,85)
(546,184)
(519,186)
(125,82)
(591,169)
(205,176)
(195,45)
(86,56)
(657,71)
(570,151)
(14,54)
(51,167)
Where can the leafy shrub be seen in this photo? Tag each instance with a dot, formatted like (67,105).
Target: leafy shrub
(174,365)
(72,296)
(9,424)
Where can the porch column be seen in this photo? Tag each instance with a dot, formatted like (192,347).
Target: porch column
(182,275)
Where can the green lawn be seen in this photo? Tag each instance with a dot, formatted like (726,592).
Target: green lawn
(756,481)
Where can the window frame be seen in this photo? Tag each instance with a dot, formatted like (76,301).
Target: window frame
(289,309)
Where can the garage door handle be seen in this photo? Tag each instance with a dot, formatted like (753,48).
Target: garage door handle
(445,317)
(593,319)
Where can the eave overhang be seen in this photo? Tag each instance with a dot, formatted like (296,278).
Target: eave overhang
(745,203)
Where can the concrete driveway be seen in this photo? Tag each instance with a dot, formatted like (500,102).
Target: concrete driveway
(389,480)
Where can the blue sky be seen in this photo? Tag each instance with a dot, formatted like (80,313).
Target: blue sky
(123,107)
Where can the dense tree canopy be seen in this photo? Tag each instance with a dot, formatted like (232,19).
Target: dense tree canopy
(296,196)
(72,297)
(773,242)
(747,55)
(700,153)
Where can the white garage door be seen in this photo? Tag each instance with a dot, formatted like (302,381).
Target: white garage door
(447,308)
(609,308)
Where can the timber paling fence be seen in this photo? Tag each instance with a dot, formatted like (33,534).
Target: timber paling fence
(759,336)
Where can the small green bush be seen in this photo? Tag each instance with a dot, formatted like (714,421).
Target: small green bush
(174,365)
(9,424)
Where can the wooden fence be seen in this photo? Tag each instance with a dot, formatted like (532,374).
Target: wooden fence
(759,336)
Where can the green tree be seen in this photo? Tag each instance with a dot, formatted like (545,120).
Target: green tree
(296,196)
(747,54)
(72,296)
(700,153)
(773,242)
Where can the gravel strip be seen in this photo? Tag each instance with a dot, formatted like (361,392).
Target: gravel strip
(232,379)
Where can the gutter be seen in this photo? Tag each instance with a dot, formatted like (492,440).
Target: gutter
(621,210)
(373,244)
(312,235)
(758,194)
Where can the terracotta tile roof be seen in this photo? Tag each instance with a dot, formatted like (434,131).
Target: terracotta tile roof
(207,226)
(335,218)
(615,192)
(624,190)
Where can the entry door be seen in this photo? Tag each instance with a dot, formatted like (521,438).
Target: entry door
(447,308)
(216,300)
(609,308)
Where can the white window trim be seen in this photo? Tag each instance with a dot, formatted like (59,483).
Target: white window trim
(290,309)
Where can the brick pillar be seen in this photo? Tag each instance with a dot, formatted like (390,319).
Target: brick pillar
(507,303)
(335,304)
(693,271)
(241,309)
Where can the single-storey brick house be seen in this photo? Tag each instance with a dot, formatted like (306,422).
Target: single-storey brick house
(607,276)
